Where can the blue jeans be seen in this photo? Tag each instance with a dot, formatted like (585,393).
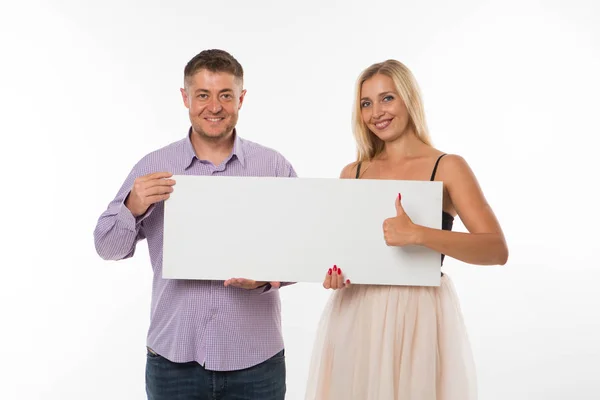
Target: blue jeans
(166,380)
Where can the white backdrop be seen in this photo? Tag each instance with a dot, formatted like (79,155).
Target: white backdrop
(87,88)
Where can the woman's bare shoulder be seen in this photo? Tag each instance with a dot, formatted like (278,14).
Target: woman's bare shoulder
(349,171)
(452,164)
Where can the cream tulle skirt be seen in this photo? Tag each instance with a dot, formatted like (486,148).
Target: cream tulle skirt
(392,343)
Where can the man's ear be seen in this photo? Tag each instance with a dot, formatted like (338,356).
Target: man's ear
(185,97)
(242,96)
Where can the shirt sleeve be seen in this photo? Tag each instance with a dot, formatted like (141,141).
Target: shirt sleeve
(117,231)
(285,168)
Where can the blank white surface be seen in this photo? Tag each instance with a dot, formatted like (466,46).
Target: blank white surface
(294,229)
(89,88)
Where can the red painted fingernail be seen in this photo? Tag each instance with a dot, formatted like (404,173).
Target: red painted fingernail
(348,281)
(329,271)
(399,196)
(339,271)
(335,267)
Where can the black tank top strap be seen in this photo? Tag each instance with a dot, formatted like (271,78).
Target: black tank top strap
(358,169)
(435,167)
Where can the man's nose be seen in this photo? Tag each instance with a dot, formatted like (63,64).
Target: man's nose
(215,106)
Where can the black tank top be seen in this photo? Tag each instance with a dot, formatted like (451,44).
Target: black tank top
(447,219)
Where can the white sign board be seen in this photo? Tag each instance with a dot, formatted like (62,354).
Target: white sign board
(295,229)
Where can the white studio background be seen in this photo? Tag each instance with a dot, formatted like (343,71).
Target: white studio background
(87,88)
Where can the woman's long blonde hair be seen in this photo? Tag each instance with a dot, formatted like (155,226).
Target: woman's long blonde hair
(369,145)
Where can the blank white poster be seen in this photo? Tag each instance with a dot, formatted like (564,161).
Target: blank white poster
(295,229)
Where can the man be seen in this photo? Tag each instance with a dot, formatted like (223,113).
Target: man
(206,338)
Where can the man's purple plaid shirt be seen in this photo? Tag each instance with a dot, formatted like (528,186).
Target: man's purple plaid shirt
(221,328)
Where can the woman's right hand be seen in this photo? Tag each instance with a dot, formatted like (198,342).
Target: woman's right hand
(334,279)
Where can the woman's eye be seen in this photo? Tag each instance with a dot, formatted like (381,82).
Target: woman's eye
(388,98)
(365,104)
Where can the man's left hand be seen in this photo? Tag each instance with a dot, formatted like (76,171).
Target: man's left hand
(249,284)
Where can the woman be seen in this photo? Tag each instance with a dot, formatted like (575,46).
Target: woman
(400,342)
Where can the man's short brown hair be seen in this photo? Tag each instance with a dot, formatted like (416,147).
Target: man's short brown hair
(213,60)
